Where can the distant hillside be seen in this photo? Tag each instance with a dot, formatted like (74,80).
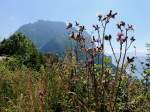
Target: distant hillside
(48,36)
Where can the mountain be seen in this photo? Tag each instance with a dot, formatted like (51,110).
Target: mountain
(48,36)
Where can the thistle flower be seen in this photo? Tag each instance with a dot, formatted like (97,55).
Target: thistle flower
(81,28)
(84,49)
(120,34)
(130,60)
(108,37)
(99,49)
(132,39)
(120,24)
(90,61)
(111,15)
(120,37)
(130,27)
(68,25)
(104,18)
(77,24)
(99,16)
(124,39)
(96,27)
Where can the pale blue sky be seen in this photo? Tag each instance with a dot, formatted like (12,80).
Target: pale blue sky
(14,13)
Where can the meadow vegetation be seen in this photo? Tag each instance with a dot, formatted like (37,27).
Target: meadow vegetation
(83,80)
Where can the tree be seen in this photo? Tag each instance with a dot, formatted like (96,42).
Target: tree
(21,48)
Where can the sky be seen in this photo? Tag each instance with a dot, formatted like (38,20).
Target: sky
(14,13)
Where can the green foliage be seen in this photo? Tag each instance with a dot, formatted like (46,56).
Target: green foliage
(21,51)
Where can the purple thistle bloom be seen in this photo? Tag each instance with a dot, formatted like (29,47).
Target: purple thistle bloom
(90,61)
(120,36)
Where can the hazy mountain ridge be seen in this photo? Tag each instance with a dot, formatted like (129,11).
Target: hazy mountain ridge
(48,36)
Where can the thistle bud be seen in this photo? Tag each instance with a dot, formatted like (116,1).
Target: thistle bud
(99,16)
(130,60)
(108,37)
(132,39)
(68,25)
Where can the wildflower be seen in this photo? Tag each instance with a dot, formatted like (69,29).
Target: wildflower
(111,15)
(69,25)
(95,50)
(124,39)
(104,18)
(130,60)
(132,39)
(120,37)
(130,27)
(81,28)
(42,94)
(84,49)
(108,37)
(120,34)
(100,49)
(99,16)
(77,24)
(90,61)
(96,27)
(120,24)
